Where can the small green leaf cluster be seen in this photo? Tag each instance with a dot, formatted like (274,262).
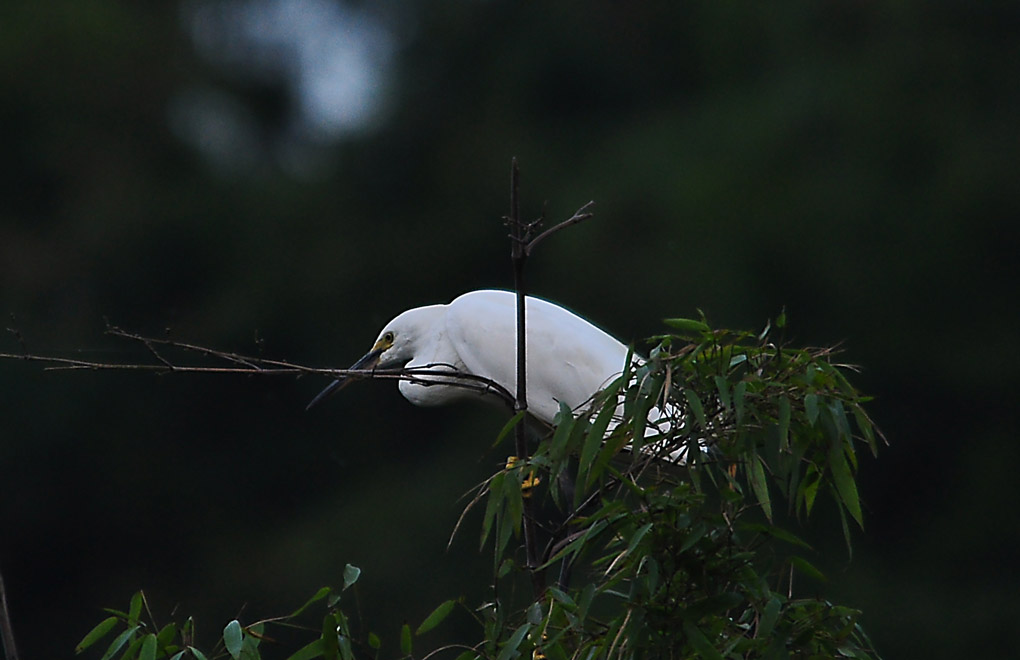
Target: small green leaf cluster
(140,638)
(668,492)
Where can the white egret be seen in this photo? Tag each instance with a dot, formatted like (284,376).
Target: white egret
(568,358)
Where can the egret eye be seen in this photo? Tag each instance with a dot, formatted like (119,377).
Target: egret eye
(388,337)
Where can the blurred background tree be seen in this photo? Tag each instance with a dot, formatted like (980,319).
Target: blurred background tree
(286,175)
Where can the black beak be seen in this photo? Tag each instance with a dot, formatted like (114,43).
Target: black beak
(369,361)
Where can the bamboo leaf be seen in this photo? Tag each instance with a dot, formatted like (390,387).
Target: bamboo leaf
(509,426)
(838,413)
(648,394)
(135,609)
(330,640)
(809,489)
(97,633)
(132,650)
(504,531)
(405,639)
(845,484)
(769,617)
(564,425)
(118,642)
(595,437)
(167,634)
(578,543)
(866,428)
(723,387)
(148,651)
(704,648)
(319,595)
(738,399)
(509,650)
(756,475)
(695,535)
(694,401)
(493,505)
(846,529)
(233,639)
(687,327)
(514,499)
(638,536)
(562,598)
(252,638)
(344,644)
(784,423)
(777,532)
(308,651)
(351,575)
(436,617)
(610,448)
(805,567)
(811,408)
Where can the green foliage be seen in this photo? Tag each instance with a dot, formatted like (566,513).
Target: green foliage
(176,641)
(672,535)
(667,529)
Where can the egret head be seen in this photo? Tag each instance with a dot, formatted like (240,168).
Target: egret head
(395,347)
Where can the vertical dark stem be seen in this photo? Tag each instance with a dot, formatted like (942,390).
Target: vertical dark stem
(518,254)
(6,630)
(519,257)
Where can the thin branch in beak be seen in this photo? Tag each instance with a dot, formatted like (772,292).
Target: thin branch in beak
(369,361)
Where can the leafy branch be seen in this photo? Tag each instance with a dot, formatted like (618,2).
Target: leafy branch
(690,560)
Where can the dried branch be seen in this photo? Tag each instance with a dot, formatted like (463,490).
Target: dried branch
(17,335)
(150,342)
(580,215)
(6,630)
(73,364)
(426,375)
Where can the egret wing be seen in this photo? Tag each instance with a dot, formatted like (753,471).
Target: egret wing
(569,359)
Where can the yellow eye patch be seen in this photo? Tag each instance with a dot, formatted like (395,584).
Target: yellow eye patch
(384,342)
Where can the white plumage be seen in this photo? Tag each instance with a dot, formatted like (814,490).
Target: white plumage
(568,358)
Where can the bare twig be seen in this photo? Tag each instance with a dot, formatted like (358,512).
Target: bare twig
(72,364)
(580,215)
(17,335)
(149,342)
(426,375)
(479,492)
(6,630)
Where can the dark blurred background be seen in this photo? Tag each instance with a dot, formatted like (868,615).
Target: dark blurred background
(284,176)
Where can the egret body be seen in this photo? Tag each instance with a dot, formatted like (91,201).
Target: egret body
(568,358)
